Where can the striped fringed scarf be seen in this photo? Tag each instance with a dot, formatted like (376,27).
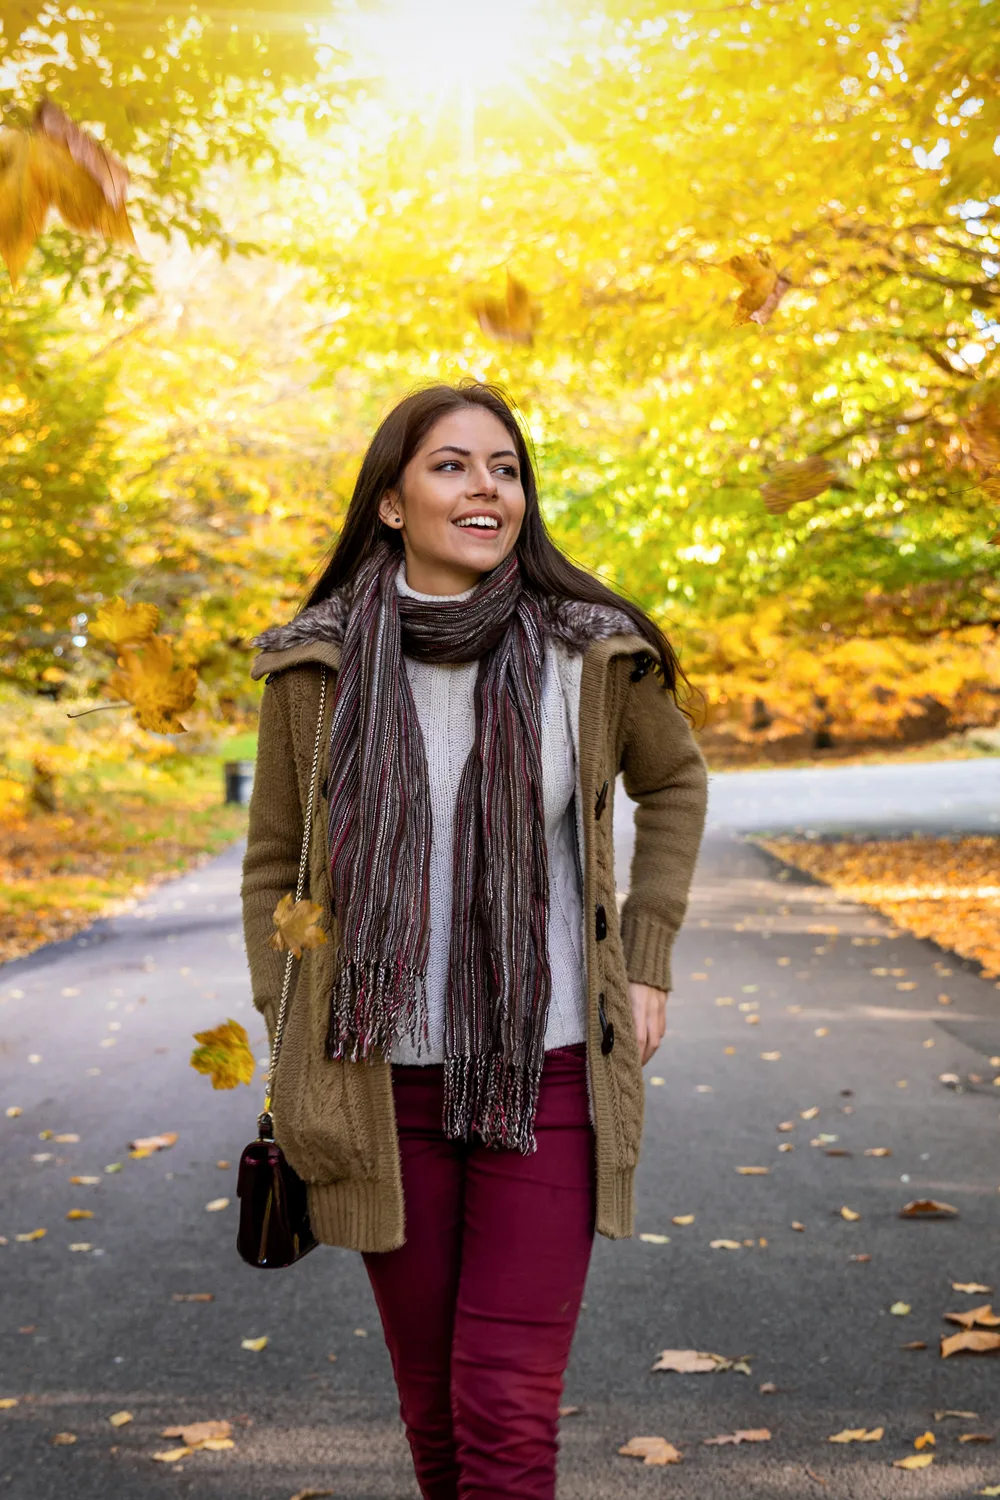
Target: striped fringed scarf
(380,840)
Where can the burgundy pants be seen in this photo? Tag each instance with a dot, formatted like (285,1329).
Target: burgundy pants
(480,1303)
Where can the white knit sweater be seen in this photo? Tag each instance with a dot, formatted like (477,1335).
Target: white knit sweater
(443,693)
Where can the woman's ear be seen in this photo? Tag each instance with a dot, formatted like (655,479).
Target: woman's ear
(386,506)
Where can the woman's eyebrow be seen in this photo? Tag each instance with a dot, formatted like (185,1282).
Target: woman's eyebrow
(465,452)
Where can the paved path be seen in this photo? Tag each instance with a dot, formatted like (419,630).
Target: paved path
(103,1332)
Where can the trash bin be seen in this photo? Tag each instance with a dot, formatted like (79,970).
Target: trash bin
(239,781)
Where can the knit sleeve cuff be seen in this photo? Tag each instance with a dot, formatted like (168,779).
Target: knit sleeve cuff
(647,944)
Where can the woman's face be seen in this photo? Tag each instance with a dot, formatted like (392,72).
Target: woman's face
(466,465)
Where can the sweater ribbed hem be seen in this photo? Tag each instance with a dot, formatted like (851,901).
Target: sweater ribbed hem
(616,1203)
(355,1214)
(647,944)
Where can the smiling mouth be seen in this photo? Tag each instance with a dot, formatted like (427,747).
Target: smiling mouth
(480,530)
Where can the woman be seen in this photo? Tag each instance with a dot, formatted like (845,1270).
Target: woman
(460,1078)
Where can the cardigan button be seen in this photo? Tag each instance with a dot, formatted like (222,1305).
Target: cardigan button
(601,923)
(602,798)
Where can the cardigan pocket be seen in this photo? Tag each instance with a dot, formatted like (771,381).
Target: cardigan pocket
(315,1123)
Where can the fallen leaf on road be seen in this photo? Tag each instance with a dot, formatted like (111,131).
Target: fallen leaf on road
(81,1245)
(970,1341)
(699,1362)
(981,1317)
(34,1234)
(858,1435)
(656,1239)
(652,1450)
(194,1296)
(975,1437)
(968,1416)
(969,1286)
(196,1434)
(151,1143)
(913,1461)
(991,1489)
(800,1227)
(914,1344)
(725,1245)
(80,1213)
(900,1309)
(925,1440)
(564,1411)
(862,1257)
(311,1494)
(83,1181)
(63,1439)
(114,1166)
(754,1171)
(744,1435)
(119,1418)
(848,1213)
(927,1208)
(809,1114)
(171,1455)
(255,1344)
(768,1388)
(770,1056)
(682,1219)
(216,1204)
(6,1402)
(878,1151)
(66,1140)
(13,1110)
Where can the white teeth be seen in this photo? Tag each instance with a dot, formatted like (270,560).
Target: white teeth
(484,524)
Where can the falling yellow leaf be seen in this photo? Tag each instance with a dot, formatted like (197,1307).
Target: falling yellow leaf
(157,689)
(122,624)
(858,1435)
(913,1461)
(513,317)
(256,1345)
(790,483)
(652,1450)
(119,1418)
(49,166)
(296,926)
(224,1055)
(763,287)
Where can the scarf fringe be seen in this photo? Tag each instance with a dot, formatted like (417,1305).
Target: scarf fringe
(372,1006)
(495,1098)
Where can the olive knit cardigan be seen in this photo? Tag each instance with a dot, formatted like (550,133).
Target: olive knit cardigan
(335,1119)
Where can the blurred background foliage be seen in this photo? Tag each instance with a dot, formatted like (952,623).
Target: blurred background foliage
(324,194)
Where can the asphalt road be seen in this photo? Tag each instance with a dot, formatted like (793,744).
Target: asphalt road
(94,1040)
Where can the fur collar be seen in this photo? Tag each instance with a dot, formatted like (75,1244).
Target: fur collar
(573,622)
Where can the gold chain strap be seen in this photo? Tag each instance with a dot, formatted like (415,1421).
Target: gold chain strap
(300,886)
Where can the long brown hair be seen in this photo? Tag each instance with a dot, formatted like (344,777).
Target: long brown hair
(544,569)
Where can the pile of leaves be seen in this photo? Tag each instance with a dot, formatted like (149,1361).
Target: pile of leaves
(944,889)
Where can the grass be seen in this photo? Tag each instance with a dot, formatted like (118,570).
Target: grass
(101,852)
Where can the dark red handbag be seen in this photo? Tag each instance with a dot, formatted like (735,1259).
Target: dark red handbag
(274,1210)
